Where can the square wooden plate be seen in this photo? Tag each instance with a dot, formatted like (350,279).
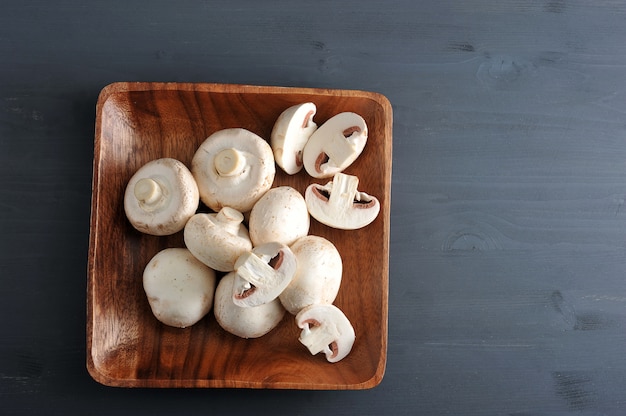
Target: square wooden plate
(126,345)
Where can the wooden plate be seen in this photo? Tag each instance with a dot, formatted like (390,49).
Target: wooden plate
(126,345)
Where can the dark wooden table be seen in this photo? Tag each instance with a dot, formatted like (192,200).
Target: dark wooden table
(507,291)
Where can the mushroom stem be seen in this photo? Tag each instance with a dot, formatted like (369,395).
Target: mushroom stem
(148,191)
(230,219)
(229,162)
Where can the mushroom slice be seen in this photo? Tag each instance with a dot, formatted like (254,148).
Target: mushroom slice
(160,197)
(291,131)
(318,275)
(179,287)
(244,322)
(339,204)
(262,274)
(325,328)
(281,215)
(335,145)
(217,240)
(233,168)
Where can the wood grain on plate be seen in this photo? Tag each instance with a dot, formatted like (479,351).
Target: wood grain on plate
(127,346)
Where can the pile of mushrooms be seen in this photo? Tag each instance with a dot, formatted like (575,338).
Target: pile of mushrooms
(273,266)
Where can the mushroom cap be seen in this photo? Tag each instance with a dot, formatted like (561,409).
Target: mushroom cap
(325,328)
(262,274)
(281,215)
(339,204)
(335,145)
(233,167)
(160,197)
(251,322)
(179,287)
(290,133)
(318,275)
(217,240)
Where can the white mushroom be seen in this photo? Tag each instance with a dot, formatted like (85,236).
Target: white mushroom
(179,287)
(339,204)
(280,215)
(244,322)
(335,145)
(233,168)
(262,274)
(291,131)
(217,240)
(325,328)
(318,275)
(160,197)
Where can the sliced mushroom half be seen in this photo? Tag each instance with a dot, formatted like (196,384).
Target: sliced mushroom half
(325,328)
(291,131)
(233,168)
(335,145)
(339,204)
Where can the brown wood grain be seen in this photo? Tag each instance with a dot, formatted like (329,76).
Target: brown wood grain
(127,346)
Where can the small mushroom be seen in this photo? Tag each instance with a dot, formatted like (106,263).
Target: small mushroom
(160,197)
(248,322)
(335,145)
(217,240)
(234,168)
(179,287)
(318,275)
(262,274)
(325,328)
(339,204)
(280,215)
(291,131)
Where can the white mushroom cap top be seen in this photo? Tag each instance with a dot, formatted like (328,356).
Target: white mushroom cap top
(217,240)
(281,215)
(318,275)
(234,168)
(179,287)
(251,322)
(325,328)
(160,197)
(291,131)
(335,145)
(262,274)
(339,204)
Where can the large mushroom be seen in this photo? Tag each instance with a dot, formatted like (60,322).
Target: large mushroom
(290,133)
(160,197)
(325,328)
(179,287)
(339,204)
(318,275)
(335,145)
(234,168)
(218,239)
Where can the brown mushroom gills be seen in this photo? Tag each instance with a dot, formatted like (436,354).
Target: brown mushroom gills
(324,195)
(333,345)
(275,262)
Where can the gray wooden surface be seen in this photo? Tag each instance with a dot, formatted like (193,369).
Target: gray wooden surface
(508,244)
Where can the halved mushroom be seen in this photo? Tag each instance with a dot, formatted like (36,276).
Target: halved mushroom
(318,275)
(291,131)
(233,168)
(160,197)
(335,145)
(179,287)
(339,204)
(325,328)
(217,240)
(262,274)
(280,215)
(244,322)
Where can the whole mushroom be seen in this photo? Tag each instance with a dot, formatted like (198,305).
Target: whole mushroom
(249,322)
(318,274)
(218,239)
(160,197)
(325,328)
(179,287)
(234,168)
(290,133)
